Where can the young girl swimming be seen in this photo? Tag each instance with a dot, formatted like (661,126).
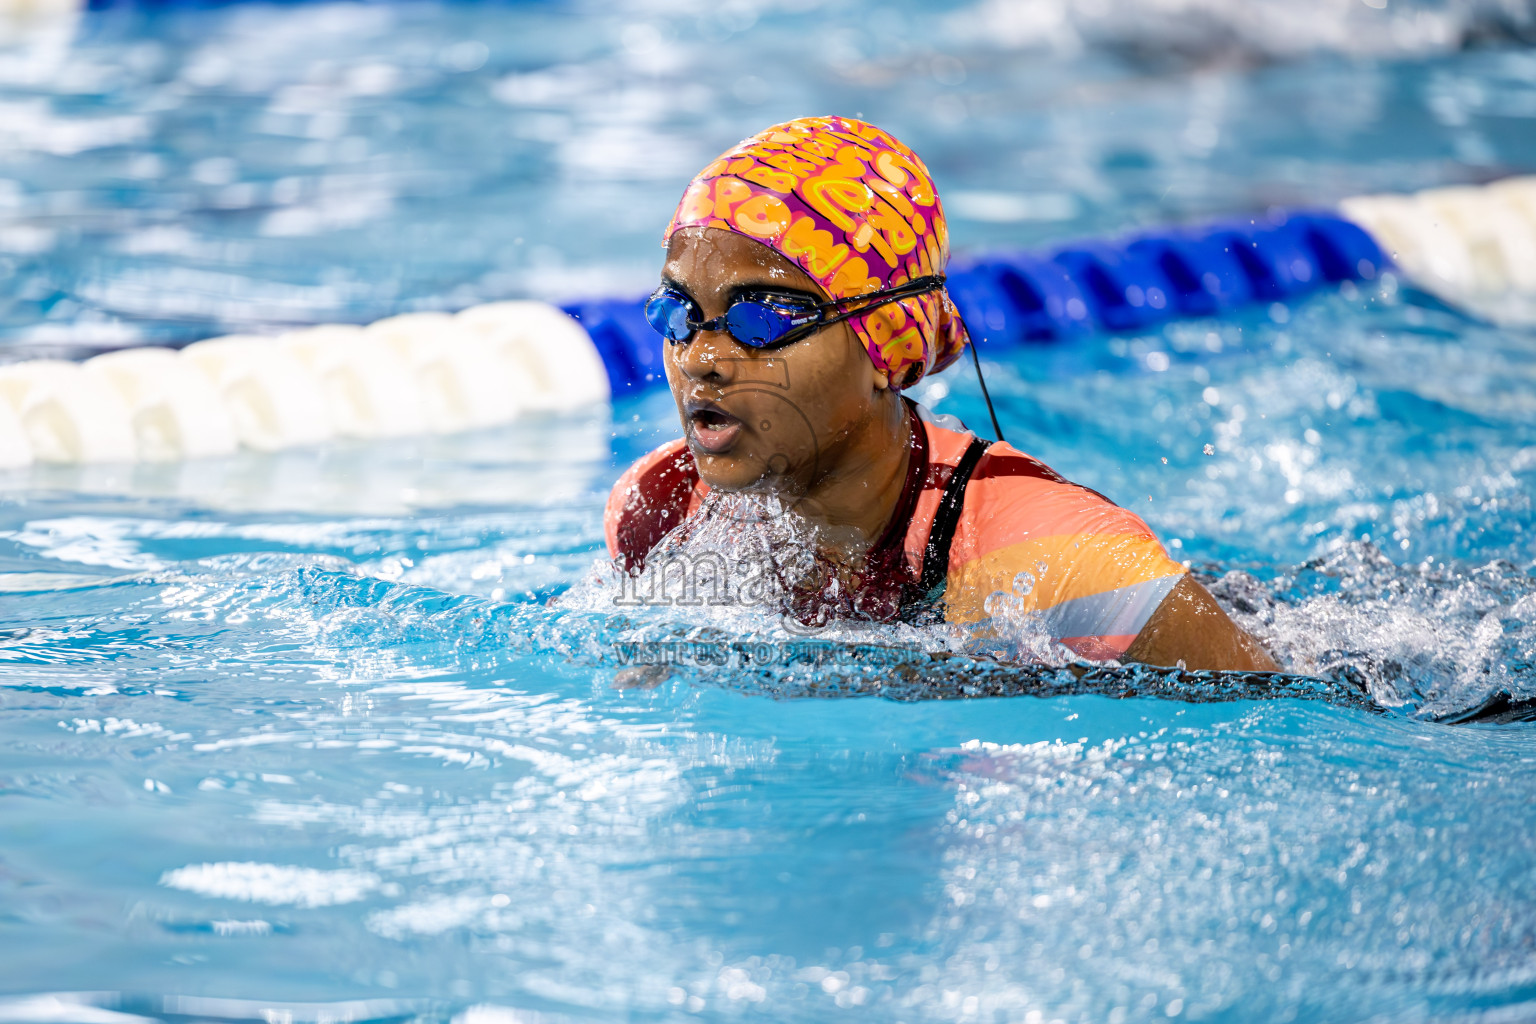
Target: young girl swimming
(802,293)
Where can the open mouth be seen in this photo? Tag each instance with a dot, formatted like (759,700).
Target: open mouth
(711,428)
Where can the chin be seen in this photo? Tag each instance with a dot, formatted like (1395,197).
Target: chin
(728,472)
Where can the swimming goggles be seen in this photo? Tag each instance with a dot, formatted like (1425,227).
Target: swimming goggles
(766,319)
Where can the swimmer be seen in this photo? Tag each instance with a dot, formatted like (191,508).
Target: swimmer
(802,295)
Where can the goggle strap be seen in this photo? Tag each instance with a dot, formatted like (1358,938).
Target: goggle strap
(911,289)
(916,286)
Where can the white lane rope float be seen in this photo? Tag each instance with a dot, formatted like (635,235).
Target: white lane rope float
(420,373)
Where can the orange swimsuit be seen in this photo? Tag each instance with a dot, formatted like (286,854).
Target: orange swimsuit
(1096,573)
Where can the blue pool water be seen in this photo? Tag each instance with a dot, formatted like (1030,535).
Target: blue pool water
(302,738)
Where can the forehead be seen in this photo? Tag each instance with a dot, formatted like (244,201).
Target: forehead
(715,261)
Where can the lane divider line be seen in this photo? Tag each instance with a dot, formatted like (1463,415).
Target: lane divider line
(436,373)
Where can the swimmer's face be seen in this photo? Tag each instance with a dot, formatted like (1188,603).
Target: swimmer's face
(774,419)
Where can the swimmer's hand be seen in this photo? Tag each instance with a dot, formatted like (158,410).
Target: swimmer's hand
(1189,629)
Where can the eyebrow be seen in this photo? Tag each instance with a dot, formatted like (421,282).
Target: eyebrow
(739,291)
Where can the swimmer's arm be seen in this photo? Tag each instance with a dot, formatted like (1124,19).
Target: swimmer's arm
(1189,626)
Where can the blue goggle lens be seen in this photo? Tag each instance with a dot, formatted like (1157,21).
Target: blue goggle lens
(757,324)
(669,313)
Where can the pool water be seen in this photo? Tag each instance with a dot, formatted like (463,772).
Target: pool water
(355,733)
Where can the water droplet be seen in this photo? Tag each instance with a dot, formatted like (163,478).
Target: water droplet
(1023,583)
(1209,449)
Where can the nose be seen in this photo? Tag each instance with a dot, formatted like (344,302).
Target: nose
(710,356)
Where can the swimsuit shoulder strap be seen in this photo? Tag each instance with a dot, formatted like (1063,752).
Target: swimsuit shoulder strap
(947,519)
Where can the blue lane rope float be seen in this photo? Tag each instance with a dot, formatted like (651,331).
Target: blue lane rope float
(1067,291)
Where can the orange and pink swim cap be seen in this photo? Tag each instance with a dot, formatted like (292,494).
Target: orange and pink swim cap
(857,211)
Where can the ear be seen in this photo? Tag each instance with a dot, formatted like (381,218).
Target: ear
(879,380)
(884,382)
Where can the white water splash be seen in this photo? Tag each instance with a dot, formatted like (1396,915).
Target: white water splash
(1439,638)
(272,883)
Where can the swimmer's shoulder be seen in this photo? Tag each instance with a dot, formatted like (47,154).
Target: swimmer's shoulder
(655,494)
(1011,493)
(1021,515)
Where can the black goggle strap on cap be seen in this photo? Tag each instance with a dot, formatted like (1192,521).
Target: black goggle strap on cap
(916,286)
